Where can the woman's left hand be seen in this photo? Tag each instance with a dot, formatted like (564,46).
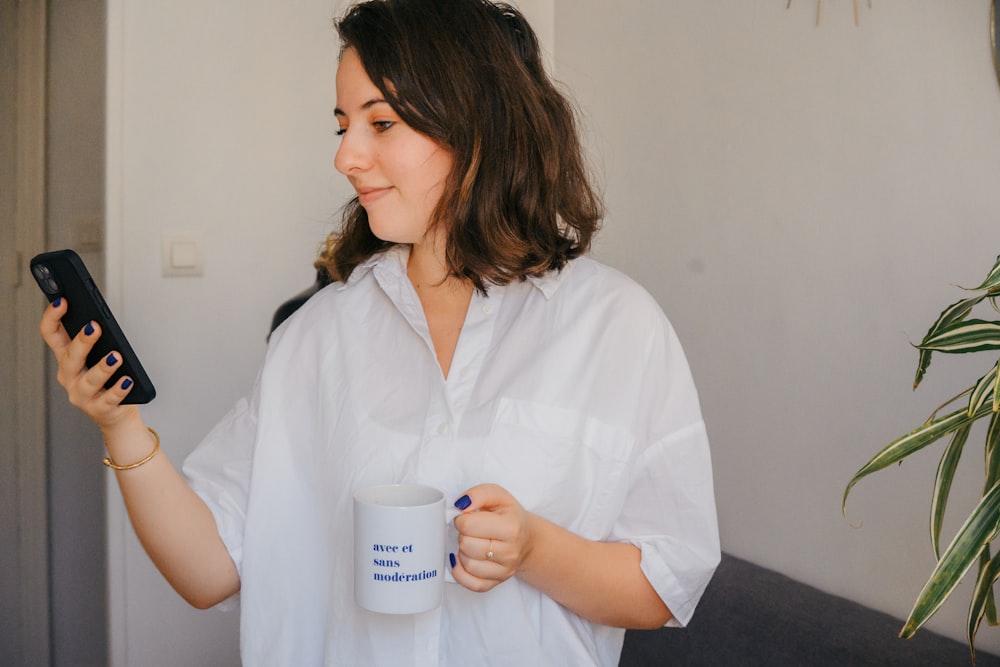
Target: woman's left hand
(602,582)
(494,537)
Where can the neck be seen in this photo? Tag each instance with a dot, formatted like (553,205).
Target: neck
(444,297)
(427,266)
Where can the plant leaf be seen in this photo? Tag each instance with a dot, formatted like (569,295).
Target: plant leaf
(984,390)
(942,483)
(956,312)
(914,441)
(966,336)
(993,279)
(996,389)
(988,576)
(990,608)
(991,602)
(993,452)
(977,531)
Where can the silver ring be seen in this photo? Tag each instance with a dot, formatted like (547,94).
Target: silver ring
(489,554)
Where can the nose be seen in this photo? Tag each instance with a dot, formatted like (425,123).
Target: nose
(352,154)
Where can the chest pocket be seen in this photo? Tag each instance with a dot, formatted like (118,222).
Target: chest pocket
(560,464)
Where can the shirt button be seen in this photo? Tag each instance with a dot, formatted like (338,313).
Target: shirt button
(466,372)
(487,309)
(443,428)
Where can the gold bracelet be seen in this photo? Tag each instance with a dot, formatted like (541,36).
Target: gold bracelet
(156,447)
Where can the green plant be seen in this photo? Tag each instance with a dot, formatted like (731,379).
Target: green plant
(955,333)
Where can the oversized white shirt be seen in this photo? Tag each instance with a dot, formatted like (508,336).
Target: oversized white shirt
(571,391)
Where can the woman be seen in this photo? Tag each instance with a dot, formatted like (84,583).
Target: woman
(467,344)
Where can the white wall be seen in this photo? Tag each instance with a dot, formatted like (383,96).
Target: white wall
(220,122)
(801,200)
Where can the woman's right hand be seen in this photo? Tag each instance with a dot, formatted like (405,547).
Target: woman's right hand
(172,522)
(85,387)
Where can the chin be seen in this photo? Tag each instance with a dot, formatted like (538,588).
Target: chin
(389,237)
(394,234)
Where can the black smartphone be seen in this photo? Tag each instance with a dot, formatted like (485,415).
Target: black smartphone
(62,274)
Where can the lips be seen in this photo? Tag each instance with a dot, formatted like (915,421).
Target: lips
(368,196)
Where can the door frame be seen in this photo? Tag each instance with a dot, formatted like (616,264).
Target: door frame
(27,448)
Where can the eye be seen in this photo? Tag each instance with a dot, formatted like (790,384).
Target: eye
(341,131)
(382,125)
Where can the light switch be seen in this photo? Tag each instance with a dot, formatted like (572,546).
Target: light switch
(183,254)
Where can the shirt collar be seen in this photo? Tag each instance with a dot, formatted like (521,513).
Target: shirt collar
(550,281)
(393,262)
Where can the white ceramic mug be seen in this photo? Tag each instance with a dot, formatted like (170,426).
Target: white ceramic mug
(399,548)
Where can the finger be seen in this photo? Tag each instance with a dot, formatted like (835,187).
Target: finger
(480,567)
(102,405)
(91,384)
(85,391)
(485,497)
(480,506)
(468,580)
(487,550)
(113,396)
(72,358)
(485,525)
(51,328)
(489,558)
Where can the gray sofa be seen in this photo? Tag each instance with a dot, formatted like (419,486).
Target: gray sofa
(751,616)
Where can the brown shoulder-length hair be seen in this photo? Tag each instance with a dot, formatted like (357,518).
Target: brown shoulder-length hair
(468,74)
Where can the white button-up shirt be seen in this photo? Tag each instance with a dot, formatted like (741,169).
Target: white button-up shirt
(571,391)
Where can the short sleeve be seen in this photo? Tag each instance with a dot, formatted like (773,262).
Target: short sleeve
(219,471)
(669,510)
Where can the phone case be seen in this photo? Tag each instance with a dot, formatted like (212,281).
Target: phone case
(62,274)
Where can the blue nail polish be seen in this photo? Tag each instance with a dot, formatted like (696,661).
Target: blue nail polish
(89,329)
(112,359)
(451,557)
(126,384)
(57,302)
(463,502)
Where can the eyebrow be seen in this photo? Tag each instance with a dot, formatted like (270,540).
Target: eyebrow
(337,111)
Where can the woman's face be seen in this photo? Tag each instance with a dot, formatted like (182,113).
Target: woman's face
(398,173)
